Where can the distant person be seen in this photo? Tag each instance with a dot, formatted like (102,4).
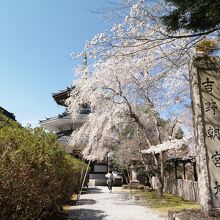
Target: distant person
(110,180)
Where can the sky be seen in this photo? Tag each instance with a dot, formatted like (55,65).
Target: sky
(36,40)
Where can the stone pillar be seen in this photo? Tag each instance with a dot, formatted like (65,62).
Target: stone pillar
(133,175)
(205,93)
(184,170)
(175,168)
(109,161)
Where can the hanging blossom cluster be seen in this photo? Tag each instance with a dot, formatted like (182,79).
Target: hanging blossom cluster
(137,71)
(100,133)
(170,144)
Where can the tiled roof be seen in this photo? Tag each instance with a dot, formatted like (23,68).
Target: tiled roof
(64,115)
(7,113)
(64,133)
(61,96)
(68,89)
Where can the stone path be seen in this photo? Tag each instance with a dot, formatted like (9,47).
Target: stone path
(99,204)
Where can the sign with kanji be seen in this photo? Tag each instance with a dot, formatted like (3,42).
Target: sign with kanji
(205,91)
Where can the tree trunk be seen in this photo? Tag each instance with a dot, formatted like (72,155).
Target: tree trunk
(159,167)
(159,161)
(158,176)
(162,165)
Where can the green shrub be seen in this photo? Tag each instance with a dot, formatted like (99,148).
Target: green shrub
(142,176)
(36,175)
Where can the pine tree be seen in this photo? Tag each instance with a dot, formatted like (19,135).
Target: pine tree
(194,15)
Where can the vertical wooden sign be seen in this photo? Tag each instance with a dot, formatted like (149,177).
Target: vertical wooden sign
(205,92)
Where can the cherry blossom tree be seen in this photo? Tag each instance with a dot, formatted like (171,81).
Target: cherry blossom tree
(118,90)
(137,73)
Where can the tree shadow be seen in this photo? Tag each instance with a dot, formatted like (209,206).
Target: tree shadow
(86,214)
(86,202)
(92,191)
(70,202)
(80,202)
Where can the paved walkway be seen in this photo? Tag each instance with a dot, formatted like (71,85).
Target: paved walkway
(99,204)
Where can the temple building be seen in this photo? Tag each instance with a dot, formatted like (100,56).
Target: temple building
(7,113)
(63,125)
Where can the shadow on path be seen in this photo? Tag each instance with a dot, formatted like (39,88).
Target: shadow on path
(86,202)
(92,191)
(87,214)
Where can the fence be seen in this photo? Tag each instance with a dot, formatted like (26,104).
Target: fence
(187,189)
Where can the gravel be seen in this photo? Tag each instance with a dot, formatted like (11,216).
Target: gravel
(98,204)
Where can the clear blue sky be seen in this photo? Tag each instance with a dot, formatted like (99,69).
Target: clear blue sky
(36,40)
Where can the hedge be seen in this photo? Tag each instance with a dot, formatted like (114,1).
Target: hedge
(36,175)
